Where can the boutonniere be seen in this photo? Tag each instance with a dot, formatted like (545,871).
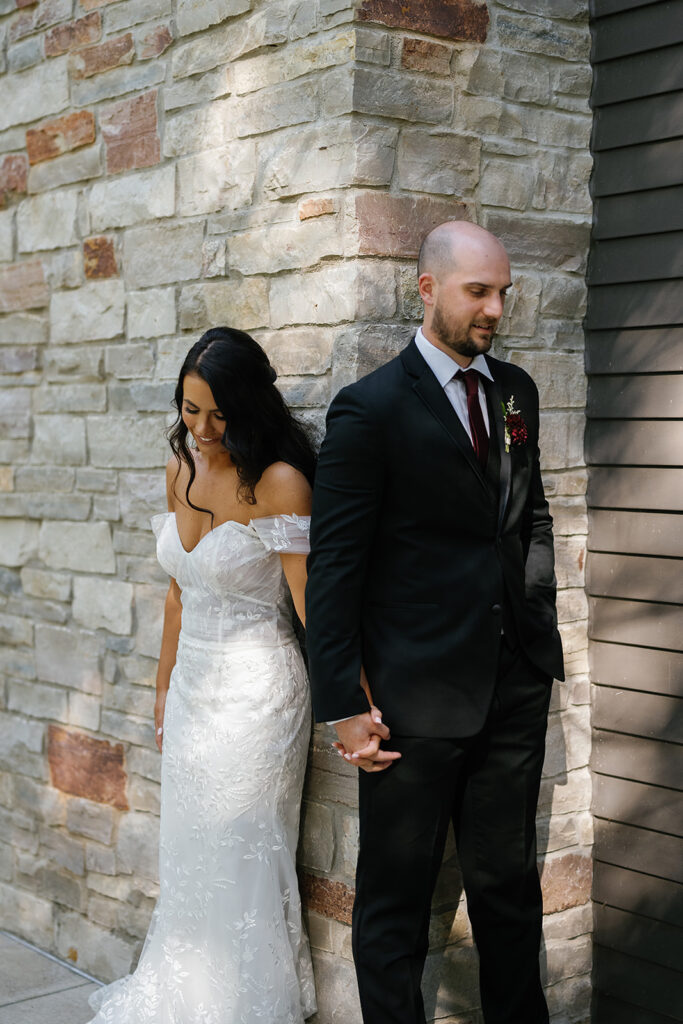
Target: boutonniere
(515,428)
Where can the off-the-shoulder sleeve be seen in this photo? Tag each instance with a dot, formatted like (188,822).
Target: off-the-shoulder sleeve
(284,533)
(159,521)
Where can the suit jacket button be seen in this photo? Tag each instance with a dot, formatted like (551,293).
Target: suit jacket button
(496,609)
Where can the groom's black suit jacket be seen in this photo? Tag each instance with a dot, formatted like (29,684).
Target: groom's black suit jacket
(418,556)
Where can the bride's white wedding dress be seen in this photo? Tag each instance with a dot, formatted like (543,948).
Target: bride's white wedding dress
(226,943)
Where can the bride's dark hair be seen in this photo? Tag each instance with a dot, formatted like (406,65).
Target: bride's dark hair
(259,427)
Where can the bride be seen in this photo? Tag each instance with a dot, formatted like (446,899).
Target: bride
(226,944)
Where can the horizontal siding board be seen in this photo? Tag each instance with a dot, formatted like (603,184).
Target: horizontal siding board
(640,623)
(631,396)
(639,213)
(648,350)
(637,668)
(600,8)
(637,30)
(638,803)
(608,1010)
(640,304)
(635,487)
(636,533)
(639,849)
(637,892)
(651,257)
(644,74)
(635,577)
(635,168)
(639,936)
(637,759)
(633,122)
(650,715)
(636,981)
(634,442)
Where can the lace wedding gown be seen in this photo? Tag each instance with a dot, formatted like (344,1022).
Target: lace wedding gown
(226,943)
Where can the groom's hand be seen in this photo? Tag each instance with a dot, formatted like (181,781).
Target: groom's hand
(360,738)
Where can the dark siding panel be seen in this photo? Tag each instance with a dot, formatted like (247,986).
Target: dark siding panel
(635,488)
(637,668)
(631,169)
(607,1010)
(599,8)
(635,577)
(634,442)
(636,803)
(649,715)
(649,258)
(636,397)
(640,936)
(636,121)
(635,31)
(639,214)
(645,74)
(639,850)
(639,893)
(636,533)
(635,981)
(638,759)
(636,622)
(635,351)
(644,304)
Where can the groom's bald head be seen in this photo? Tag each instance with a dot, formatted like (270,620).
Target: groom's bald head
(448,244)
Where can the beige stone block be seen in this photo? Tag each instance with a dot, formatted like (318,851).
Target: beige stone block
(520,315)
(84,710)
(265,69)
(60,440)
(91,312)
(277,107)
(509,183)
(194,15)
(122,201)
(64,170)
(7,235)
(438,163)
(106,604)
(15,413)
(98,951)
(162,254)
(24,329)
(18,541)
(137,845)
(128,362)
(83,547)
(299,350)
(34,93)
(560,377)
(337,293)
(197,91)
(70,398)
(242,303)
(561,439)
(73,363)
(47,221)
(269,249)
(193,131)
(151,313)
(217,179)
(126,441)
(149,607)
(391,94)
(26,915)
(570,559)
(317,843)
(116,83)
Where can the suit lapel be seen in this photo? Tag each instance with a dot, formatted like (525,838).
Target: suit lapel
(428,389)
(496,409)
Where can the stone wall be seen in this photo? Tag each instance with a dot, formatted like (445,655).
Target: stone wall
(167,165)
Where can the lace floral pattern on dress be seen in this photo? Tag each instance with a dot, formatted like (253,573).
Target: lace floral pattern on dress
(226,944)
(284,533)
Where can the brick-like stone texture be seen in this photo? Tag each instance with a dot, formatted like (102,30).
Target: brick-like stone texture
(169,166)
(87,767)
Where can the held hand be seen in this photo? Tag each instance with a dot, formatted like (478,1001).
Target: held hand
(360,738)
(159,709)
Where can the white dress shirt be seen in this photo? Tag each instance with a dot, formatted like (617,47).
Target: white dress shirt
(444,369)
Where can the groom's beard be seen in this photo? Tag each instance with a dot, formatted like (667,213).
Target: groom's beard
(458,338)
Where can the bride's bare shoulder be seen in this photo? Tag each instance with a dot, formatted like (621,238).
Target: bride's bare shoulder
(283,489)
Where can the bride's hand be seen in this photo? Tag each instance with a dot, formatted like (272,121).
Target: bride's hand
(159,709)
(359,741)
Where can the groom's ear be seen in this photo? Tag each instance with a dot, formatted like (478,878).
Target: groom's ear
(426,284)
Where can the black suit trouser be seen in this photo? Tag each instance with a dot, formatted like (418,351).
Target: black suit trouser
(487,785)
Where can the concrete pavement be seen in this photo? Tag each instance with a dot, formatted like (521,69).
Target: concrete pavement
(36,988)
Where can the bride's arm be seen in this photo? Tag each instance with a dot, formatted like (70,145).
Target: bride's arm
(167,656)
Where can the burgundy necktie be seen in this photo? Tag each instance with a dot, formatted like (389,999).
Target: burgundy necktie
(480,438)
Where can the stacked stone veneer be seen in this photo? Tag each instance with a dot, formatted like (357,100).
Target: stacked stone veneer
(168,165)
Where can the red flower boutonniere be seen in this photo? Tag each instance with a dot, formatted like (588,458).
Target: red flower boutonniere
(515,428)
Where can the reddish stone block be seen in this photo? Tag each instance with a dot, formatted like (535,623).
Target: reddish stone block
(98,257)
(88,5)
(421,55)
(93,60)
(73,34)
(315,207)
(21,26)
(23,286)
(60,136)
(25,3)
(83,766)
(395,225)
(13,175)
(129,129)
(155,42)
(327,897)
(566,882)
(452,19)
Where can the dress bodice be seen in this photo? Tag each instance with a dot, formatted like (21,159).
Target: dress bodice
(232,585)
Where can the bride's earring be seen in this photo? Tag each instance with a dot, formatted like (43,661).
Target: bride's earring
(192,443)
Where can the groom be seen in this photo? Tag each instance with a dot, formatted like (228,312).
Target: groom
(432,567)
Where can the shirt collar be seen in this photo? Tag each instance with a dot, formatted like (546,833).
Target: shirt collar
(442,366)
